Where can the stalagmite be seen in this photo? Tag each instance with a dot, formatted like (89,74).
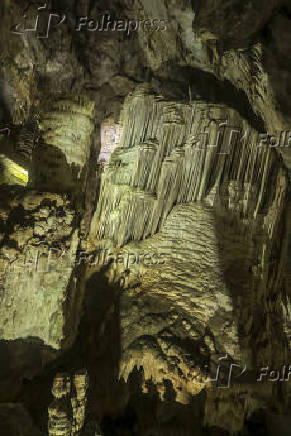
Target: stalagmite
(67,411)
(193,205)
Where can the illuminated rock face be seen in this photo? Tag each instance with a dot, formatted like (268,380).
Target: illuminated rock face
(67,411)
(179,153)
(197,305)
(214,212)
(62,155)
(68,126)
(37,264)
(180,315)
(110,139)
(200,219)
(12,173)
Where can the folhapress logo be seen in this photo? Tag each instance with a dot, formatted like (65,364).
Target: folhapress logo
(105,24)
(45,20)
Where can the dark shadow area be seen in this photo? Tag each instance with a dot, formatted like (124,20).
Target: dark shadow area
(7,99)
(260,330)
(19,142)
(14,421)
(50,170)
(21,360)
(97,348)
(147,415)
(205,86)
(276,61)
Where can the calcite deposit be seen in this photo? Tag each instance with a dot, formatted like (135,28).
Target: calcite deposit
(67,411)
(205,205)
(37,261)
(145,262)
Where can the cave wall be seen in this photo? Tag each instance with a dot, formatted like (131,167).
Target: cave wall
(189,185)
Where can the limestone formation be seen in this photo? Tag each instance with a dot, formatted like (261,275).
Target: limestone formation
(178,154)
(192,184)
(64,148)
(67,411)
(145,218)
(37,262)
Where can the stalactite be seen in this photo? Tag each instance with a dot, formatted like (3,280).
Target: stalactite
(174,154)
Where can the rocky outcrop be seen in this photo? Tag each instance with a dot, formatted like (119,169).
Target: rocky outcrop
(192,218)
(191,208)
(61,157)
(39,243)
(67,411)
(178,154)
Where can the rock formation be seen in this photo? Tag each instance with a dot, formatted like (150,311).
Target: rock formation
(145,218)
(67,411)
(207,210)
(37,261)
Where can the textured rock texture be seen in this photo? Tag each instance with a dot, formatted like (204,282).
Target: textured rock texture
(39,243)
(193,208)
(189,282)
(65,148)
(213,212)
(67,412)
(178,153)
(232,19)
